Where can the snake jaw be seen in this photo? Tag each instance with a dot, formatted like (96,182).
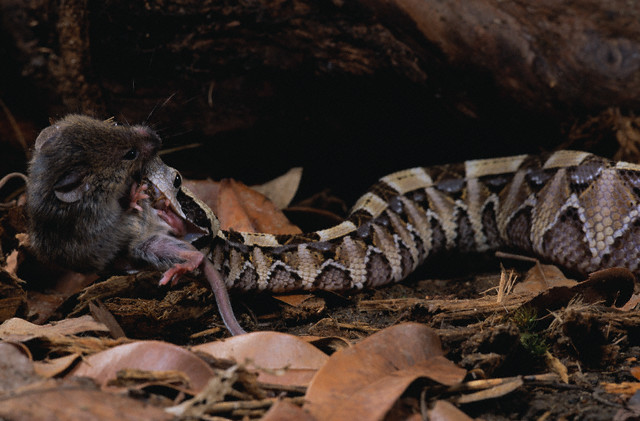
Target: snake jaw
(164,200)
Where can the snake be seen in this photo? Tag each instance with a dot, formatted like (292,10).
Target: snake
(569,208)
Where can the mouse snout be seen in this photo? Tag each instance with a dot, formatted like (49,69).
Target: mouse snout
(151,143)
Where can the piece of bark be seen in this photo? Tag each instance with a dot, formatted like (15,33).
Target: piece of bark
(117,55)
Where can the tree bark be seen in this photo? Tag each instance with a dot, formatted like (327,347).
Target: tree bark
(545,54)
(474,78)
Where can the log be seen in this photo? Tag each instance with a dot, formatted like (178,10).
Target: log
(475,78)
(545,54)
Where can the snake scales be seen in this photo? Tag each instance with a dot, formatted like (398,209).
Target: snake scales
(571,208)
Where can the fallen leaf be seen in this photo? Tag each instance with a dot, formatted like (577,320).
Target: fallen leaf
(76,402)
(282,189)
(19,330)
(12,295)
(295,361)
(327,344)
(635,372)
(364,381)
(446,411)
(240,208)
(557,367)
(16,368)
(246,210)
(623,388)
(493,392)
(612,286)
(542,277)
(633,302)
(293,299)
(215,391)
(56,366)
(11,265)
(100,313)
(631,411)
(145,355)
(286,411)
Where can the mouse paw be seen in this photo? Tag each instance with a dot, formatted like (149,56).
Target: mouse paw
(138,192)
(192,260)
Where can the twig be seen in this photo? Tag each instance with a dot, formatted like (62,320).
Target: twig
(14,126)
(283,387)
(254,404)
(4,181)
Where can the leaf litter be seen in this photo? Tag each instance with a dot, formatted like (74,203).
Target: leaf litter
(354,368)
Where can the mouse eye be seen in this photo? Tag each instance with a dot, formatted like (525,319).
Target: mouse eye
(131,154)
(177,182)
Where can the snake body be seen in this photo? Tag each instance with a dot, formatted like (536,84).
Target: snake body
(571,208)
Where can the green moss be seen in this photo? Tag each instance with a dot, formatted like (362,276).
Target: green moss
(533,342)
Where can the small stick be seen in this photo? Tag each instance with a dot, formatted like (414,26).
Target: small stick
(4,181)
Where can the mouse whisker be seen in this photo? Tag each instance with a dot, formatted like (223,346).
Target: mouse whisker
(159,106)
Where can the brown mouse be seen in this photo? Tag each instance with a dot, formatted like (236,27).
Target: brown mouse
(83,186)
(89,210)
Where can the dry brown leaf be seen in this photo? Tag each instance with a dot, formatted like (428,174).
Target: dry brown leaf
(542,277)
(240,208)
(623,388)
(445,411)
(19,330)
(278,358)
(67,402)
(145,355)
(635,372)
(100,313)
(632,303)
(214,392)
(56,366)
(16,368)
(493,392)
(205,190)
(286,411)
(293,299)
(557,367)
(608,286)
(11,265)
(281,190)
(328,344)
(252,211)
(364,381)
(12,295)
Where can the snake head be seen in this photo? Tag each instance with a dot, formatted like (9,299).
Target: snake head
(187,216)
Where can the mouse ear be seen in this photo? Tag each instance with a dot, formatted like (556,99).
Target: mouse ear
(46,136)
(71,187)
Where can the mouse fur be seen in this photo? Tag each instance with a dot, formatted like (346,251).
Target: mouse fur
(80,188)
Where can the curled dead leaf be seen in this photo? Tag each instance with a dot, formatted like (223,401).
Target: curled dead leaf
(286,411)
(146,355)
(493,392)
(282,189)
(20,330)
(612,286)
(364,381)
(12,295)
(56,366)
(77,402)
(241,208)
(16,368)
(278,358)
(445,411)
(542,277)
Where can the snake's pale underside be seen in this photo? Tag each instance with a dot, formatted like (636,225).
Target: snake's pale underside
(571,208)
